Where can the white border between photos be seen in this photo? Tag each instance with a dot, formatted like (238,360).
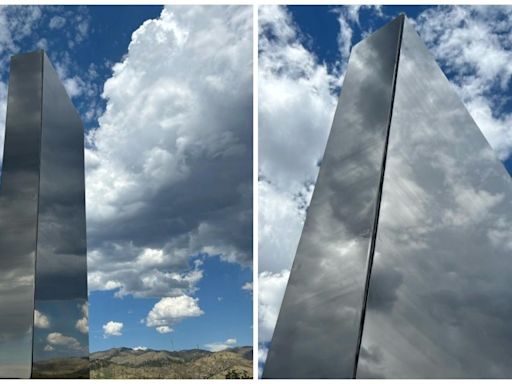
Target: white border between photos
(255,4)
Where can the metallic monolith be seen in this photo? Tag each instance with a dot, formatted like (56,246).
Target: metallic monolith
(404,263)
(43,270)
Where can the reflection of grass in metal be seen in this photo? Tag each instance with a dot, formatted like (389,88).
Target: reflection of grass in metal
(61,368)
(126,363)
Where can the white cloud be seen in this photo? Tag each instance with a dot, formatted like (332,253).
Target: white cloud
(220,346)
(471,206)
(82,324)
(57,22)
(170,310)
(271,287)
(41,320)
(262,357)
(281,217)
(345,33)
(247,286)
(112,328)
(74,86)
(164,329)
(58,339)
(48,348)
(142,273)
(297,100)
(168,169)
(140,348)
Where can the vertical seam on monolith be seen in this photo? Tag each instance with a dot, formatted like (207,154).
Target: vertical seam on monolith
(378,200)
(38,199)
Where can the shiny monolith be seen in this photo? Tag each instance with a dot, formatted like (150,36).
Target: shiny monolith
(404,263)
(43,270)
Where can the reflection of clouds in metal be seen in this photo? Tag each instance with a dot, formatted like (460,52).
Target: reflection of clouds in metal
(446,202)
(61,269)
(64,336)
(318,326)
(18,215)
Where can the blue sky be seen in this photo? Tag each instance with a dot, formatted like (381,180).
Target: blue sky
(321,25)
(303,52)
(228,312)
(169,204)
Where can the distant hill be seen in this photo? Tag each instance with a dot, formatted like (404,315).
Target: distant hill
(126,363)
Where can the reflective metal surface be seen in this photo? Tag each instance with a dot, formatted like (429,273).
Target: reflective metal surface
(18,215)
(61,269)
(317,332)
(42,216)
(440,297)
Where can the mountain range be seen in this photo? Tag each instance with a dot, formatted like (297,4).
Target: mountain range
(127,363)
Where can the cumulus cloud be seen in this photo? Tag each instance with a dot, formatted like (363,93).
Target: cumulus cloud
(58,339)
(471,206)
(169,166)
(271,293)
(82,324)
(297,100)
(262,357)
(220,346)
(112,328)
(247,286)
(281,217)
(171,310)
(296,106)
(41,320)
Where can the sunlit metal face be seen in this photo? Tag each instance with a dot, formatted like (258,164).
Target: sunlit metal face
(440,297)
(42,216)
(318,327)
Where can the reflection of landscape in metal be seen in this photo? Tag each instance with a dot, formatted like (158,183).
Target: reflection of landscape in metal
(438,297)
(42,206)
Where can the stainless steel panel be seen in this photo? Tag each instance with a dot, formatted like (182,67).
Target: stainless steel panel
(318,329)
(42,216)
(61,346)
(18,215)
(440,297)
